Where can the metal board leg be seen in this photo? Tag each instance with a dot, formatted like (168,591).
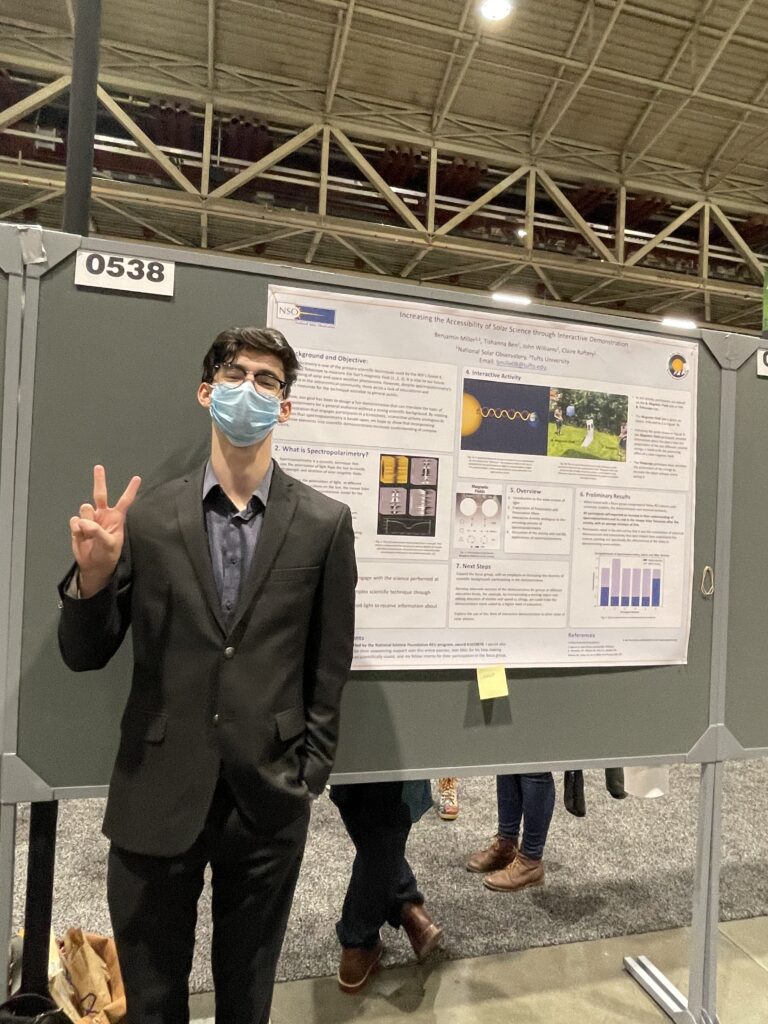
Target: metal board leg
(699,1008)
(39,903)
(7,866)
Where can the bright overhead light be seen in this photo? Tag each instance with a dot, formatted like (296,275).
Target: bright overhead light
(521,232)
(511,298)
(681,322)
(495,10)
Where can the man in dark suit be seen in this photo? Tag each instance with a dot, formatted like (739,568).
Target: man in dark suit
(238,582)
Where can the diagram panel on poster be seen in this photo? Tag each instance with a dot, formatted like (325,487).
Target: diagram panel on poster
(521,490)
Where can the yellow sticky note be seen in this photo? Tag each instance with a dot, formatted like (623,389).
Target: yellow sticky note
(492,682)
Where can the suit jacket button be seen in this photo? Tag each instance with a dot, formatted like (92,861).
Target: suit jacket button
(216,719)
(229,652)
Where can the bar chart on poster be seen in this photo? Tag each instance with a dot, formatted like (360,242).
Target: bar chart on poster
(626,584)
(521,490)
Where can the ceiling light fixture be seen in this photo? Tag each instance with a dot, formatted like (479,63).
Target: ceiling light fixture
(511,298)
(495,10)
(521,232)
(681,322)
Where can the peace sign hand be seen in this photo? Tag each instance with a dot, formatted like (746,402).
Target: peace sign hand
(98,533)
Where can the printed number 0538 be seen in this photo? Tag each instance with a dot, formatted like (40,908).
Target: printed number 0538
(117,266)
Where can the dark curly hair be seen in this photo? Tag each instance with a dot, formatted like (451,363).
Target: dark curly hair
(233,340)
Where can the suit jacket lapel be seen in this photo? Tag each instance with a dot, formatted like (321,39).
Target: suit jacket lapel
(278,514)
(189,506)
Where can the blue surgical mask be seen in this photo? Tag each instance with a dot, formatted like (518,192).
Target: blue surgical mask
(244,414)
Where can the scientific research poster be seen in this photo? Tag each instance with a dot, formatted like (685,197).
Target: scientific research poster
(522,490)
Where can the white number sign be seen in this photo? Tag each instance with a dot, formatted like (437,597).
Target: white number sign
(124,273)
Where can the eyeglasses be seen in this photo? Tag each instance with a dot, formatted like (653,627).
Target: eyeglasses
(263,380)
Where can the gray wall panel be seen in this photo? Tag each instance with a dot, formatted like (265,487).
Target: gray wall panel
(115,382)
(746,707)
(3,323)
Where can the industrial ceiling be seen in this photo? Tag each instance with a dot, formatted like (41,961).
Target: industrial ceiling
(603,154)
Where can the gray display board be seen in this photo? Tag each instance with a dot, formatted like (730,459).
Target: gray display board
(115,377)
(746,706)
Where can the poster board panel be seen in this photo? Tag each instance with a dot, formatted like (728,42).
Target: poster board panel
(115,379)
(746,707)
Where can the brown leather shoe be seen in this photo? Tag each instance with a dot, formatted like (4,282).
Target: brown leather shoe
(356,967)
(521,873)
(423,934)
(498,855)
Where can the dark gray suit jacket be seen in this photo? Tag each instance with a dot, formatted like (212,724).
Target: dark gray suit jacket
(258,702)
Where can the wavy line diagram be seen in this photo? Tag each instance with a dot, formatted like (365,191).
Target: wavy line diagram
(509,414)
(473,414)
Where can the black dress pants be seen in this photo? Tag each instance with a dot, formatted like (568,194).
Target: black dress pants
(378,823)
(153,906)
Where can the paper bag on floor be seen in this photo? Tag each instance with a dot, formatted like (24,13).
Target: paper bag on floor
(648,782)
(94,971)
(59,986)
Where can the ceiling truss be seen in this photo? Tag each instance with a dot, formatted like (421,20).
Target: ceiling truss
(430,237)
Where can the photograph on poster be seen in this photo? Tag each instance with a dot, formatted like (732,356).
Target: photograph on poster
(407,496)
(587,425)
(477,517)
(501,417)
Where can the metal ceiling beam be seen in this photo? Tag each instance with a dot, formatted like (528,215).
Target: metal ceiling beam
(257,168)
(261,239)
(467,268)
(750,148)
(431,28)
(238,211)
(337,55)
(313,245)
(704,247)
(483,200)
(325,153)
(442,112)
(543,276)
(506,276)
(205,171)
(665,232)
(575,217)
(211,45)
(357,251)
(732,317)
(679,183)
(468,7)
(736,240)
(414,262)
(687,39)
(669,302)
(36,200)
(143,140)
(586,15)
(152,226)
(33,102)
(376,179)
(576,87)
(704,75)
(591,289)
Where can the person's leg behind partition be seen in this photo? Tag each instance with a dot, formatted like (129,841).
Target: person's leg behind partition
(537,795)
(504,846)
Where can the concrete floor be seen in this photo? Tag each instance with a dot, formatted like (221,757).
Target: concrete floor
(578,982)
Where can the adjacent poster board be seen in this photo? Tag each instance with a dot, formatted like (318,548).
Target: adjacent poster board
(522,490)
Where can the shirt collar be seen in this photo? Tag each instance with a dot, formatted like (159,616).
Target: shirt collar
(261,490)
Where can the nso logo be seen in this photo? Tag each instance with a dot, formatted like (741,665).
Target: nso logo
(317,315)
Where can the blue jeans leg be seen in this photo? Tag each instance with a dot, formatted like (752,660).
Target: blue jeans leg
(509,799)
(538,798)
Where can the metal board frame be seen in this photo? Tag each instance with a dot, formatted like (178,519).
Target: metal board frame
(18,782)
(22,780)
